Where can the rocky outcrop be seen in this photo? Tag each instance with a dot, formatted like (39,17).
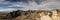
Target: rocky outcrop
(34,15)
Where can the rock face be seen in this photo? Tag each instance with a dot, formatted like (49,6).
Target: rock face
(34,15)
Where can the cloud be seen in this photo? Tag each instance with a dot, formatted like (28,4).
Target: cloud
(7,10)
(32,4)
(53,5)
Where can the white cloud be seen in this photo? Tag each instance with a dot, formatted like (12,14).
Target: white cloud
(32,5)
(7,10)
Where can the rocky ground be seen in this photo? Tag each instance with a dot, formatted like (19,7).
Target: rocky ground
(31,15)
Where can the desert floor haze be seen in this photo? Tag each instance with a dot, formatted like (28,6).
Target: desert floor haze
(31,15)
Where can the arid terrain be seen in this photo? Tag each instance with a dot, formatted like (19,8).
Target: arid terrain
(31,15)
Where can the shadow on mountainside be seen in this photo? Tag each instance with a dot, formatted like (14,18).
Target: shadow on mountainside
(25,15)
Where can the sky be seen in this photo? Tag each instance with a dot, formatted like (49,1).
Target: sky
(10,5)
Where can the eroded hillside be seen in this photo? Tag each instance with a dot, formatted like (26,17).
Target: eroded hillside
(33,15)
